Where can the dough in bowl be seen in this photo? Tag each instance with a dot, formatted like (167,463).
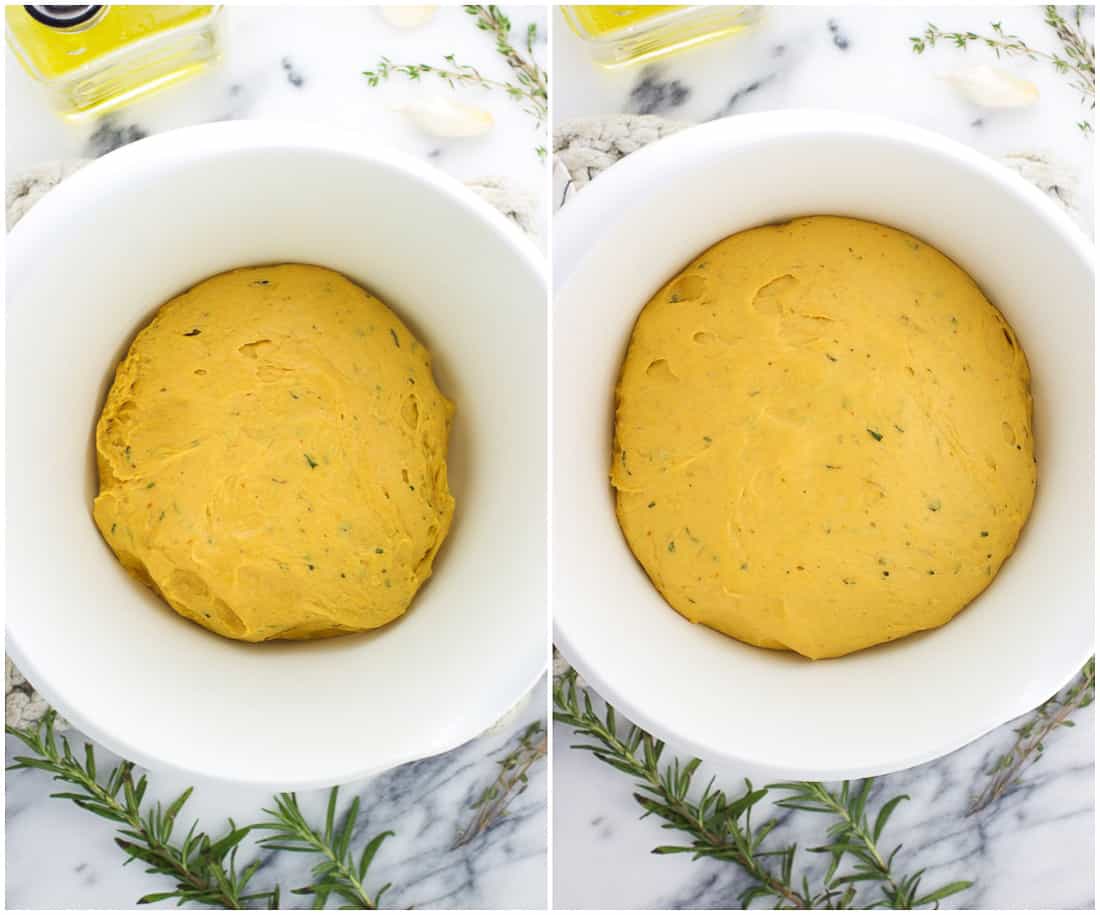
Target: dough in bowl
(822,437)
(272,457)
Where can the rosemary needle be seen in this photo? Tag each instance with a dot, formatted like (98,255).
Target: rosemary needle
(204,869)
(721,827)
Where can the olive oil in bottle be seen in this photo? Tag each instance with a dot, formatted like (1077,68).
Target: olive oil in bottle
(92,59)
(620,35)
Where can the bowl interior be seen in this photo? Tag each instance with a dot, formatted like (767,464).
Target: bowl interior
(87,268)
(884,708)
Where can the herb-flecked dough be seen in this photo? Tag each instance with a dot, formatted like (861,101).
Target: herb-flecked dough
(272,457)
(822,437)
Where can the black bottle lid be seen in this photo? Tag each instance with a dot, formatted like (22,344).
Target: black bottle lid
(60,16)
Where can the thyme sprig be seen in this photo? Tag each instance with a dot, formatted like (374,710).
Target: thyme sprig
(530,88)
(532,79)
(1032,735)
(203,869)
(721,826)
(339,872)
(492,804)
(1077,59)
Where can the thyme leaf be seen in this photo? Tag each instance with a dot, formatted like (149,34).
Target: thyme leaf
(529,86)
(1032,734)
(510,783)
(1076,60)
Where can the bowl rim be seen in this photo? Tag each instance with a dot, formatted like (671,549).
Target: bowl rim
(160,153)
(579,223)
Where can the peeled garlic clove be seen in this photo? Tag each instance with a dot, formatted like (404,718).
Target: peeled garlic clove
(991,87)
(444,117)
(407,17)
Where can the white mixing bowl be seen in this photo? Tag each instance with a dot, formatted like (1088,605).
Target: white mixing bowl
(87,268)
(888,707)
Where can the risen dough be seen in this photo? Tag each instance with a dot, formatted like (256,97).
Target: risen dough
(272,457)
(822,437)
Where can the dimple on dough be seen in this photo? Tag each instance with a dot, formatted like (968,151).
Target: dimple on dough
(272,457)
(822,437)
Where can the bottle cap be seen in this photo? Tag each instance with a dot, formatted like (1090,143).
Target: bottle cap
(59,16)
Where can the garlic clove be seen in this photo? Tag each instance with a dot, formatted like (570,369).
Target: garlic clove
(444,117)
(992,87)
(407,17)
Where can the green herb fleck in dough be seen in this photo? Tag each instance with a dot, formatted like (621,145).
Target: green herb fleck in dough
(309,460)
(934,505)
(672,546)
(876,435)
(396,342)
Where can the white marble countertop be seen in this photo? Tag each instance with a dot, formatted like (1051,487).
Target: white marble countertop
(850,58)
(1035,847)
(287,63)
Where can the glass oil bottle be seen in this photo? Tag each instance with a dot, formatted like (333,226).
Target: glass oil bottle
(621,35)
(94,58)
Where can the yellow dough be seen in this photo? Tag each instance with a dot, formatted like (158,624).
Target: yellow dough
(272,457)
(822,437)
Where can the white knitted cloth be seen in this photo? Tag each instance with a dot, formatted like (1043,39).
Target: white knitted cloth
(23,707)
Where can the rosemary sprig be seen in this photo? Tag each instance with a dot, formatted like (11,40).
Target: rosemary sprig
(1077,59)
(852,834)
(530,88)
(510,783)
(340,872)
(1031,736)
(721,827)
(204,869)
